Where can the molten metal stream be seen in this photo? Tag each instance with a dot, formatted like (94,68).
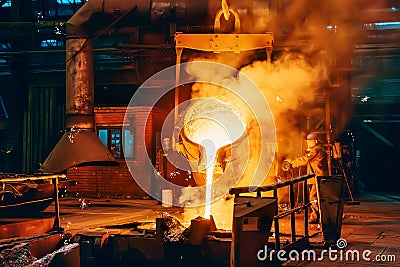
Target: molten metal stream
(213,123)
(211,136)
(210,163)
(219,128)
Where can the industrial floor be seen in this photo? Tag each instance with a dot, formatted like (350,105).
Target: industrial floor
(372,225)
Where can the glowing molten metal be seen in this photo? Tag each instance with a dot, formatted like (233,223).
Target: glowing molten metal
(212,124)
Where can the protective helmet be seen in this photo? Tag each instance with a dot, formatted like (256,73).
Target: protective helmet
(166,143)
(312,136)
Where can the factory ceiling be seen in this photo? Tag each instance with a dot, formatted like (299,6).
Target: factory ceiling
(132,43)
(120,48)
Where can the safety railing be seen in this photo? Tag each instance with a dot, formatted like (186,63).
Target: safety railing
(292,205)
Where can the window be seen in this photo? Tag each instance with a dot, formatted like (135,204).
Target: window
(118,144)
(6,3)
(51,43)
(66,2)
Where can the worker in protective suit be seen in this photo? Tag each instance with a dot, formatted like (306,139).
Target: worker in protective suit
(316,161)
(173,167)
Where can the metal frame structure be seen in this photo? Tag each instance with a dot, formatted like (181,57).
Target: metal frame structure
(292,208)
(217,43)
(55,179)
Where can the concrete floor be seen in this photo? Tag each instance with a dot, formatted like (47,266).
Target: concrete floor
(80,214)
(373,225)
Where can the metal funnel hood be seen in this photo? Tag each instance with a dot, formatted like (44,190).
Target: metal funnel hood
(86,147)
(80,144)
(78,148)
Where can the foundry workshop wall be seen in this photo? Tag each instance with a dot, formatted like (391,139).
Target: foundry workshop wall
(116,181)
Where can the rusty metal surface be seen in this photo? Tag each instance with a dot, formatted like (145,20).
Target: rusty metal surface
(224,42)
(68,256)
(80,77)
(24,227)
(77,148)
(44,245)
(22,195)
(81,144)
(37,250)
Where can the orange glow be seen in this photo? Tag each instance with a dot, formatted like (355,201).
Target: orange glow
(284,97)
(225,8)
(212,124)
(210,156)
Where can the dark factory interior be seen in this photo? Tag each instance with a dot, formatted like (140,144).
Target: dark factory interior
(77,114)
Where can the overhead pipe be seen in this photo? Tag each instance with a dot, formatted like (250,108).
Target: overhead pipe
(80,144)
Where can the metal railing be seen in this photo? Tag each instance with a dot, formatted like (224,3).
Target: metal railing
(292,208)
(4,180)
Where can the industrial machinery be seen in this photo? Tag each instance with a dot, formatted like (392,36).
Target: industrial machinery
(27,194)
(166,240)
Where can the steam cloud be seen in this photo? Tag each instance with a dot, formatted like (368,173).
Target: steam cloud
(313,39)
